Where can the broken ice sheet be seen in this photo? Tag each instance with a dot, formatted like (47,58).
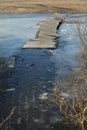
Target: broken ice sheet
(43,96)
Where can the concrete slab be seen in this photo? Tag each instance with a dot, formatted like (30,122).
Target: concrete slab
(46,35)
(40,44)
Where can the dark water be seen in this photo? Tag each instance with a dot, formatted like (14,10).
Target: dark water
(30,81)
(33,75)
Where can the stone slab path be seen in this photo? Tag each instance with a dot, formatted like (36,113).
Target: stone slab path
(46,35)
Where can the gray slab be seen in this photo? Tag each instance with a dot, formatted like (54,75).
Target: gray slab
(46,35)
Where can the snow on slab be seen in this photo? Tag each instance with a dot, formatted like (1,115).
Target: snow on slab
(46,37)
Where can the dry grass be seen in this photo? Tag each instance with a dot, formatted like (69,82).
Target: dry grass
(7,119)
(46,6)
(72,103)
(73,107)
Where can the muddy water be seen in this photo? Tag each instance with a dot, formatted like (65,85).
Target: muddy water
(31,79)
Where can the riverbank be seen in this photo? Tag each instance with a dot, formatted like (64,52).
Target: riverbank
(39,6)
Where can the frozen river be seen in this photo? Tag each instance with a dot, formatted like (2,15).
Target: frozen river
(28,83)
(15,30)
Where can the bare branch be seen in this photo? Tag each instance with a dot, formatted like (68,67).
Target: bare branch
(8,117)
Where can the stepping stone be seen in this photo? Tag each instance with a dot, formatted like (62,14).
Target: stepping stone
(46,35)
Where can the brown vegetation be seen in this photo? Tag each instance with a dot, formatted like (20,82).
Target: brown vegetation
(72,103)
(7,118)
(46,6)
(73,107)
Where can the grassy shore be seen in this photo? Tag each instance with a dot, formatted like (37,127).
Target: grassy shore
(40,6)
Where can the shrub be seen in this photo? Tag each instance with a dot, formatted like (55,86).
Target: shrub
(72,106)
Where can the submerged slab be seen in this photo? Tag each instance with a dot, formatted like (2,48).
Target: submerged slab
(46,35)
(40,44)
